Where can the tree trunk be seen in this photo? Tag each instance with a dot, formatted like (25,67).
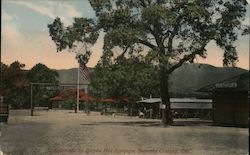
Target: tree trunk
(167,118)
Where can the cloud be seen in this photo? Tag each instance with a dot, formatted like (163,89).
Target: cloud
(6,17)
(52,9)
(33,48)
(215,55)
(246,21)
(37,8)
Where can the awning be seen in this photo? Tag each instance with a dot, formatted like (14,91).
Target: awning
(182,103)
(72,93)
(56,98)
(86,98)
(176,100)
(109,100)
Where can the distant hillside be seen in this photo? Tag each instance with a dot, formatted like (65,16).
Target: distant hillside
(69,76)
(187,78)
(191,77)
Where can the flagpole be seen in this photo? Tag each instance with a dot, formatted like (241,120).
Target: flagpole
(78,80)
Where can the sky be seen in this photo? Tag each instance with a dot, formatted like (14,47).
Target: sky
(25,36)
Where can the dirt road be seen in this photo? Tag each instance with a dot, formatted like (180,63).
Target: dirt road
(66,133)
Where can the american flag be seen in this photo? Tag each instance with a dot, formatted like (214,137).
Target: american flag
(85,72)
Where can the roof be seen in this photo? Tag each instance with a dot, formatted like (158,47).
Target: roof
(115,98)
(237,83)
(107,100)
(182,103)
(191,105)
(72,92)
(86,98)
(176,100)
(56,98)
(121,98)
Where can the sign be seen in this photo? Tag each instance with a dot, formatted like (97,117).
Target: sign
(54,88)
(62,87)
(226,85)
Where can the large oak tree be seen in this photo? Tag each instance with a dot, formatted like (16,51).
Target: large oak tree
(170,32)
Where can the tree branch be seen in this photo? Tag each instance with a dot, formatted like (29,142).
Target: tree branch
(173,33)
(125,51)
(143,3)
(165,35)
(185,59)
(147,44)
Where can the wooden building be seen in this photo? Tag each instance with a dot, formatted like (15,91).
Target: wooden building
(181,107)
(231,101)
(58,102)
(115,104)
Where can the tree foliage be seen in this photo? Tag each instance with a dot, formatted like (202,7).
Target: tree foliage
(76,37)
(15,85)
(174,31)
(42,74)
(130,77)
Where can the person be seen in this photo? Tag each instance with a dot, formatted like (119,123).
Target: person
(141,114)
(88,112)
(75,108)
(125,109)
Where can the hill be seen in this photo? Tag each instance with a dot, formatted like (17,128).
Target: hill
(187,78)
(69,76)
(191,77)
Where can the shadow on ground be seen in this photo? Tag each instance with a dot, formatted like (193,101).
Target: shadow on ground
(154,123)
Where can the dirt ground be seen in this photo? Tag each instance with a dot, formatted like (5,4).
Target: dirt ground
(65,133)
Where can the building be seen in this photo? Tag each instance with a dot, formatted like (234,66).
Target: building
(181,107)
(67,97)
(230,101)
(114,104)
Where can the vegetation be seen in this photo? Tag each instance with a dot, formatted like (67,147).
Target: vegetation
(42,74)
(130,77)
(15,85)
(168,32)
(77,38)
(69,102)
(16,80)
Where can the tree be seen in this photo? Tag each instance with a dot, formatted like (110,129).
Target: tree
(130,77)
(15,85)
(42,74)
(174,31)
(170,32)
